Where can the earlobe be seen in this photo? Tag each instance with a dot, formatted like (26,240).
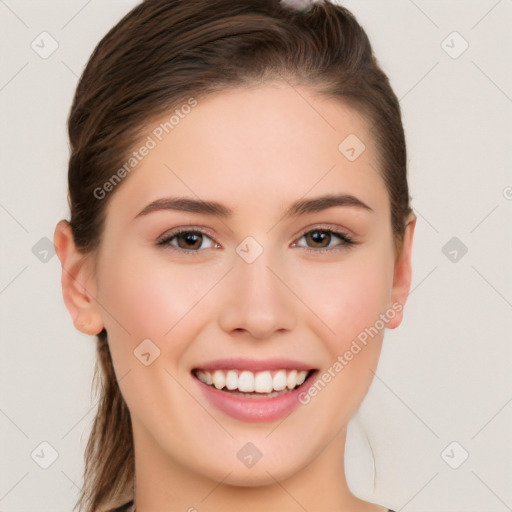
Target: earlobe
(402,275)
(78,285)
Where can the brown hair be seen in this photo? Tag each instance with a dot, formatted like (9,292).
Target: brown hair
(158,56)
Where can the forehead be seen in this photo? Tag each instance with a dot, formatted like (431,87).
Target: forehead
(258,144)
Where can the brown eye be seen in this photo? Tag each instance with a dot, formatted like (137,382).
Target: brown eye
(190,241)
(323,238)
(318,238)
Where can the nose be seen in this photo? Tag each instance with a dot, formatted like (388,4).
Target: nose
(258,299)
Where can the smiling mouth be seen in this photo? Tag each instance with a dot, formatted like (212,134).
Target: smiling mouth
(249,384)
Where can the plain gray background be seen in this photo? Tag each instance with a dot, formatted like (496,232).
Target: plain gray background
(445,374)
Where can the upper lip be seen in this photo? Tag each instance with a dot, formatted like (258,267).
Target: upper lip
(253,364)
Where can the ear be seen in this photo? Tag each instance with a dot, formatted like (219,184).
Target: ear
(402,274)
(78,283)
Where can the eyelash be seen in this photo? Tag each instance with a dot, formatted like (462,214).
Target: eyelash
(346,240)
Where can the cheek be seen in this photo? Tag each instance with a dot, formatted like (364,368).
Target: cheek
(351,299)
(147,297)
(348,296)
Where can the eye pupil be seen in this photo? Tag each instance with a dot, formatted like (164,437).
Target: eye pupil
(318,236)
(190,238)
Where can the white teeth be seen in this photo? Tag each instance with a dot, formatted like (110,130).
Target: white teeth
(205,377)
(279,380)
(231,380)
(263,382)
(219,380)
(291,380)
(301,377)
(247,382)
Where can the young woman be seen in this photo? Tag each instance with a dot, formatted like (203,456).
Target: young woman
(240,237)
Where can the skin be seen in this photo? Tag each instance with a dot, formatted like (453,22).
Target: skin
(256,150)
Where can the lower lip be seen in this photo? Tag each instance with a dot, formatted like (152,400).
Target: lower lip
(255,410)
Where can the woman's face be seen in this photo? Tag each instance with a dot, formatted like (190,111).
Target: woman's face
(260,287)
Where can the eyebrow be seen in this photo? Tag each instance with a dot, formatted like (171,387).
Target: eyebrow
(300,207)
